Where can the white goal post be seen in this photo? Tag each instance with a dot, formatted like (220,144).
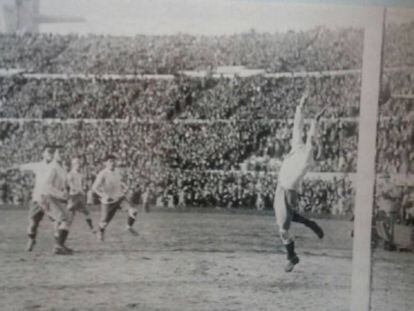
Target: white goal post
(365,179)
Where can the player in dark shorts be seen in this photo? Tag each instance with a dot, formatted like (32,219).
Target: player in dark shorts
(293,169)
(77,196)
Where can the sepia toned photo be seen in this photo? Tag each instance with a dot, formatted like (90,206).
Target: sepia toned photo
(206,155)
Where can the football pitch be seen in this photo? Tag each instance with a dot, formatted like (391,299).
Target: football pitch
(191,261)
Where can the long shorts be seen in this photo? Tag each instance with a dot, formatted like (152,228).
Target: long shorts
(108,211)
(77,203)
(56,209)
(36,212)
(285,203)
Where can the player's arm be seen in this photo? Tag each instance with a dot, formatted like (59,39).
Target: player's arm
(50,186)
(312,131)
(22,167)
(298,121)
(124,189)
(70,181)
(97,185)
(123,185)
(84,184)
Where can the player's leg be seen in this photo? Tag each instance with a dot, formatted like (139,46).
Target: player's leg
(296,217)
(71,209)
(35,216)
(88,218)
(103,221)
(80,205)
(58,212)
(108,212)
(145,204)
(283,219)
(132,214)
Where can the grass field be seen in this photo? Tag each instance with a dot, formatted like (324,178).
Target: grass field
(191,261)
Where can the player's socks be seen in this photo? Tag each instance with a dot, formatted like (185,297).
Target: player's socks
(292,258)
(60,249)
(130,221)
(89,222)
(65,237)
(61,237)
(31,242)
(101,233)
(290,249)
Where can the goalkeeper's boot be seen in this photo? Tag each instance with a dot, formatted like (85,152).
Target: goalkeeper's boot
(292,262)
(292,258)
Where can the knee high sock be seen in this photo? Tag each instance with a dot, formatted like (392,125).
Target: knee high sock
(130,221)
(290,248)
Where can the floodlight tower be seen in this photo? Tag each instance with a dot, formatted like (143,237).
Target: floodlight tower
(22,16)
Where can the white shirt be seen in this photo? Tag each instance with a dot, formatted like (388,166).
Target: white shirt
(108,184)
(298,161)
(75,182)
(56,183)
(41,171)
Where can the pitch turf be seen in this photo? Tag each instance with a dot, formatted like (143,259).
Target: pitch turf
(190,261)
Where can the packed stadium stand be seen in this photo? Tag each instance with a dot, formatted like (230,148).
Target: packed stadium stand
(202,141)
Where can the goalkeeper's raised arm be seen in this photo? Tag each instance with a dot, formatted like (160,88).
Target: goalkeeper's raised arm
(299,121)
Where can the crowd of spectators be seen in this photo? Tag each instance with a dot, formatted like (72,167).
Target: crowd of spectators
(135,144)
(180,98)
(395,145)
(186,146)
(262,97)
(148,150)
(226,145)
(80,98)
(189,139)
(143,170)
(232,189)
(313,50)
(399,45)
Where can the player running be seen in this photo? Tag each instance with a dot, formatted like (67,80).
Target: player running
(54,202)
(293,169)
(111,191)
(77,196)
(36,212)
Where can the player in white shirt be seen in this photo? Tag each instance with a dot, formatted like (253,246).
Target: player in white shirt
(294,167)
(112,191)
(55,197)
(36,211)
(77,196)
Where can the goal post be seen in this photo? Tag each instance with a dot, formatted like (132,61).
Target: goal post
(365,178)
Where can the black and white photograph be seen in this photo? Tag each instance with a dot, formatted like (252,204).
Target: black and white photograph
(206,155)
